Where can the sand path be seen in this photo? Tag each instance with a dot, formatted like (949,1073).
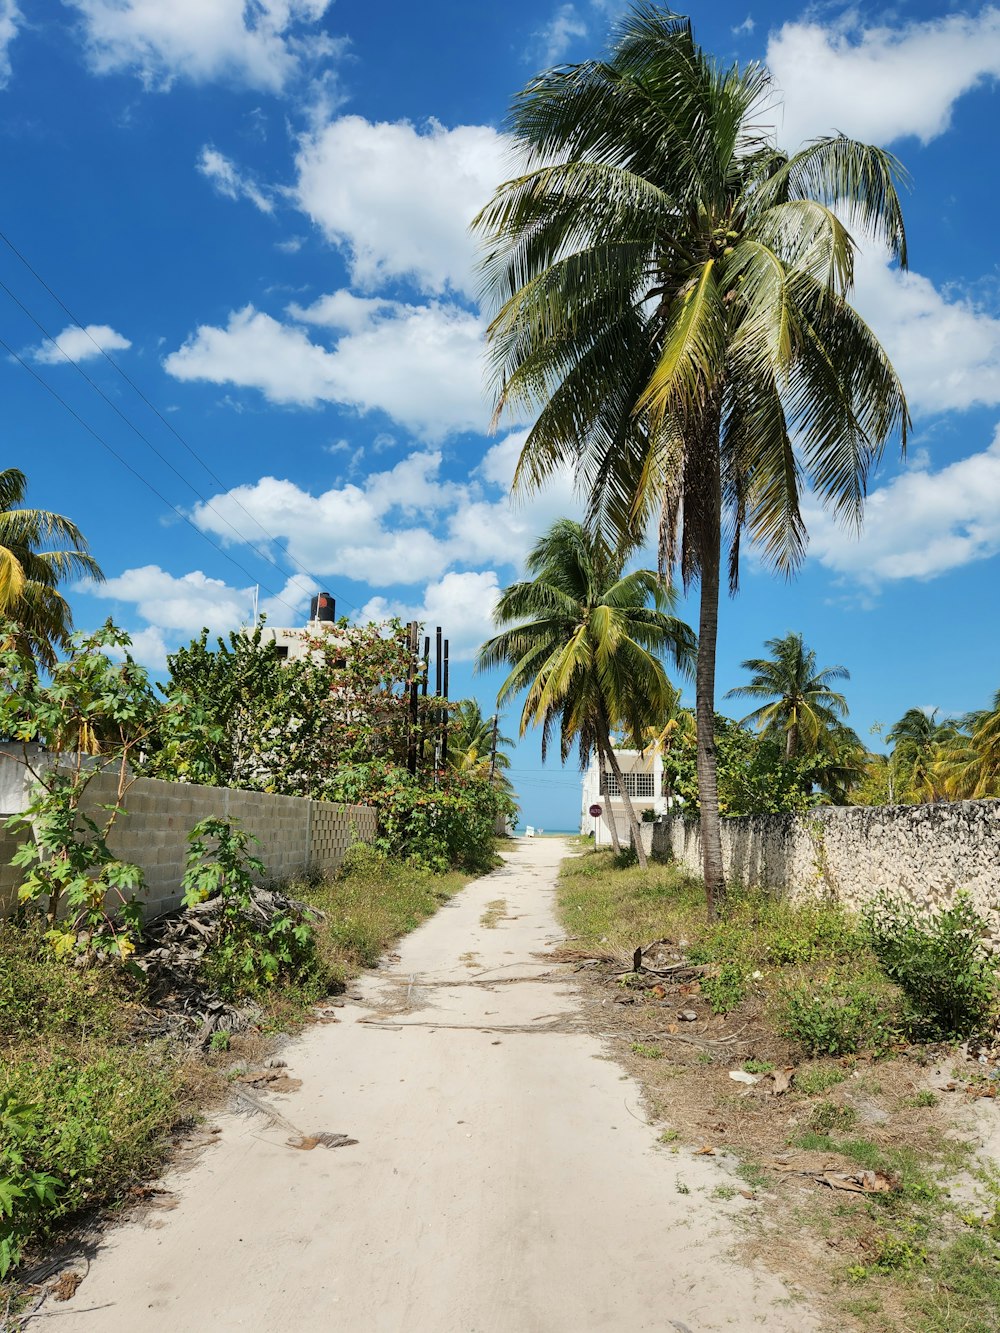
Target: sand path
(504,1179)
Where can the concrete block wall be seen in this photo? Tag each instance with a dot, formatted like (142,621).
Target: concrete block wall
(295,835)
(926,852)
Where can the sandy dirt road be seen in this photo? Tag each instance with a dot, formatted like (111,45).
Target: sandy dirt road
(504,1180)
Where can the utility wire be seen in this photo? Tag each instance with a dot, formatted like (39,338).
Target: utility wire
(148,484)
(153,408)
(264,555)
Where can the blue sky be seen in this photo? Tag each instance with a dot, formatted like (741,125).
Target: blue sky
(263,220)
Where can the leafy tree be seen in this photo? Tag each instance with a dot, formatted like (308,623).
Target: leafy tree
(244,717)
(672,302)
(800,706)
(585,640)
(93,717)
(755,778)
(38,616)
(224,702)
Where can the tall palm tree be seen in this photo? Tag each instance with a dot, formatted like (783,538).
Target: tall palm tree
(585,640)
(39,620)
(671,294)
(800,705)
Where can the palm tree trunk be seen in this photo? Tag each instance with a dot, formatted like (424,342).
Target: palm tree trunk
(708,631)
(612,824)
(791,742)
(633,822)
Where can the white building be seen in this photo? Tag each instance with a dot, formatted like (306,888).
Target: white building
(292,643)
(642,771)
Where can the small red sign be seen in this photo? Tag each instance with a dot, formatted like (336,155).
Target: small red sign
(596,810)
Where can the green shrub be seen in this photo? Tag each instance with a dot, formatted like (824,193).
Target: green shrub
(249,952)
(443,828)
(25,1194)
(937,960)
(626,858)
(838,1015)
(85,1127)
(726,989)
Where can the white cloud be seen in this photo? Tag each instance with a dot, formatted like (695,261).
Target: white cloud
(227,179)
(745,28)
(919,525)
(880,83)
(502,530)
(177,607)
(565,27)
(260,45)
(10,21)
(377,532)
(186,603)
(80,344)
(402,525)
(462,604)
(947,352)
(422,365)
(399,200)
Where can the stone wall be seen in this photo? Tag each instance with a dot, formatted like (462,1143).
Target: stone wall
(927,852)
(296,835)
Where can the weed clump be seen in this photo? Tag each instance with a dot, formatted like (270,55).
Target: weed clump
(937,960)
(840,1014)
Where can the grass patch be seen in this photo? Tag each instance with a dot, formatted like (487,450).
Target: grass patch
(647,1052)
(86,1106)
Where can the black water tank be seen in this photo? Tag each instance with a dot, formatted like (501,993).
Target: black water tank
(323,607)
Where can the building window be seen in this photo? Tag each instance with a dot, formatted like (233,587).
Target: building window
(282,652)
(639,785)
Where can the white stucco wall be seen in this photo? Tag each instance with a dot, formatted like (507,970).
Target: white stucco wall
(927,852)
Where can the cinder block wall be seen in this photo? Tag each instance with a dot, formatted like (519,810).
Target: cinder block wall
(296,835)
(926,852)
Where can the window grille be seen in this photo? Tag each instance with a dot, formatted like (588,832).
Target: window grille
(638,785)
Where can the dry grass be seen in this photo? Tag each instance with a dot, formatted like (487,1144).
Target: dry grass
(495,912)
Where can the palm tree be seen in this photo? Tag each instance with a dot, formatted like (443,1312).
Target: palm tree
(800,705)
(674,728)
(671,294)
(920,743)
(969,759)
(470,748)
(840,763)
(583,640)
(39,620)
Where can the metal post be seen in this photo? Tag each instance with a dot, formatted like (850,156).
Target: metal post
(411,748)
(444,712)
(493,746)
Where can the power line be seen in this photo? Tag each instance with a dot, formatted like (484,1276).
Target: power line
(148,484)
(169,425)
